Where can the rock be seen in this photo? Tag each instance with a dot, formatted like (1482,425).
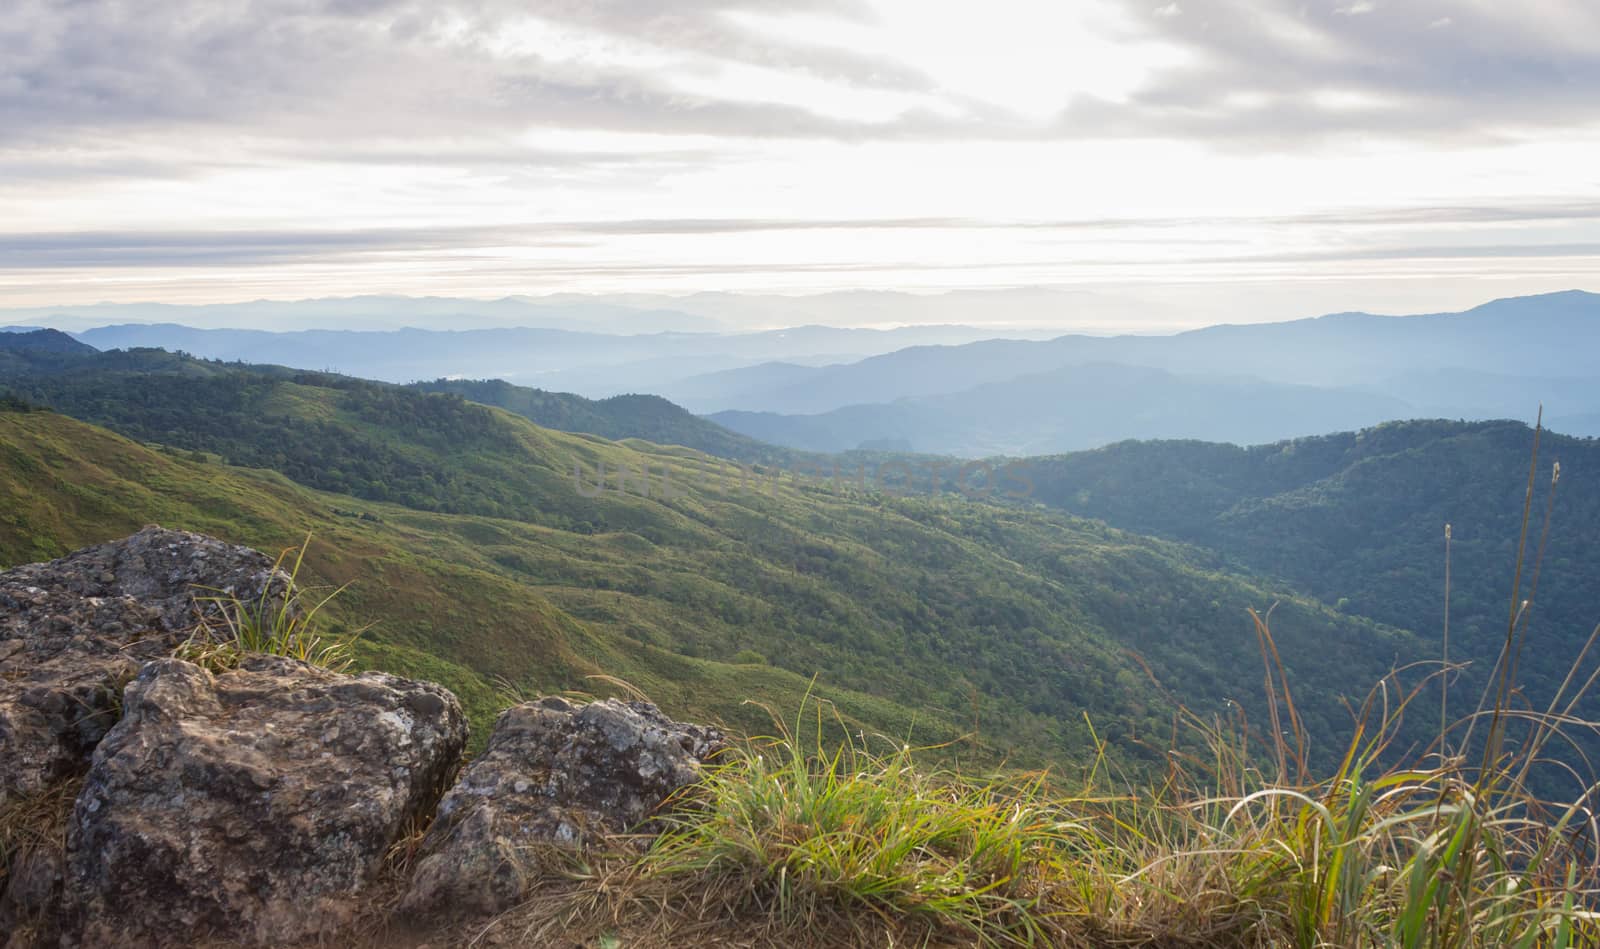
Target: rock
(28,908)
(553,773)
(74,630)
(251,805)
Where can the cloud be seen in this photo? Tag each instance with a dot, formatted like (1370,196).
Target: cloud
(348,71)
(134,249)
(1583,249)
(143,248)
(303,68)
(694,131)
(1500,71)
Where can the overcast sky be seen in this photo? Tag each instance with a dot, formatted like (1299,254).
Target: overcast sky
(1256,158)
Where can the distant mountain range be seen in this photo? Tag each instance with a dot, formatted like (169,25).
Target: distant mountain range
(1241,384)
(594,364)
(381,313)
(1021,311)
(1544,336)
(1075,408)
(946,389)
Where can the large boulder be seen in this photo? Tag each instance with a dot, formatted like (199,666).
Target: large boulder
(74,630)
(554,773)
(254,804)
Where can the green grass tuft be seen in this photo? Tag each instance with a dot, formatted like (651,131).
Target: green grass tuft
(800,834)
(278,623)
(783,842)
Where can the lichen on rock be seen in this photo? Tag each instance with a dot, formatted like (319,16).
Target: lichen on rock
(554,773)
(255,804)
(74,630)
(255,801)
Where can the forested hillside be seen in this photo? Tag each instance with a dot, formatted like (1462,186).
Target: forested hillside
(649,417)
(42,341)
(994,609)
(939,611)
(1358,519)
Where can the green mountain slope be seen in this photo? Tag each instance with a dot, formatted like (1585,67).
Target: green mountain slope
(435,588)
(505,559)
(1358,518)
(649,417)
(42,341)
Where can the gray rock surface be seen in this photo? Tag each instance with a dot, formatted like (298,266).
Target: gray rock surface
(257,804)
(74,630)
(29,907)
(554,773)
(253,805)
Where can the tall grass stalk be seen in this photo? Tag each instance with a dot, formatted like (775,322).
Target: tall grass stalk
(281,621)
(1241,843)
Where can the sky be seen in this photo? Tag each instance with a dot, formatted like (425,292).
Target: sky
(1243,159)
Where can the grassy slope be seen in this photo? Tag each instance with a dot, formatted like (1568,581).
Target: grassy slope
(438,602)
(919,615)
(1359,517)
(649,417)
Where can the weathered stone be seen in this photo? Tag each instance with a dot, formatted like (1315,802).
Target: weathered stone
(553,773)
(252,805)
(29,908)
(74,630)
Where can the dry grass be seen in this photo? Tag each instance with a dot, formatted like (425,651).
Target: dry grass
(36,822)
(782,846)
(1242,844)
(33,830)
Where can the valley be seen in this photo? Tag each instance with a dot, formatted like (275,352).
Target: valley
(645,543)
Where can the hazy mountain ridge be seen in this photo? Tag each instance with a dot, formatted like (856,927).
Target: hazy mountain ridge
(1076,408)
(1547,335)
(949,394)
(1502,359)
(596,364)
(378,313)
(1018,311)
